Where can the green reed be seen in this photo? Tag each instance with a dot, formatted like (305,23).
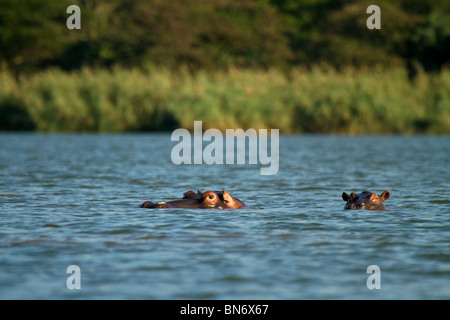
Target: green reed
(321,100)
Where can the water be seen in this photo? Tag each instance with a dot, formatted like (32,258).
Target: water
(73,199)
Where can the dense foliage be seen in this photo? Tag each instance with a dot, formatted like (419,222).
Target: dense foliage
(200,34)
(297,65)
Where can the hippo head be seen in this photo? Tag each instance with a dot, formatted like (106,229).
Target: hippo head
(365,200)
(210,199)
(207,200)
(226,199)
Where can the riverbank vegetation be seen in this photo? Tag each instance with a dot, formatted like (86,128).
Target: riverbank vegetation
(319,100)
(151,65)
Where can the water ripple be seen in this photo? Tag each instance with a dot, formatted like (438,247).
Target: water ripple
(74,199)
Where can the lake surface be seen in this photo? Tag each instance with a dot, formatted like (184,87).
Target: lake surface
(73,199)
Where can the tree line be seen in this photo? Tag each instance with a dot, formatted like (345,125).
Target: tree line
(219,34)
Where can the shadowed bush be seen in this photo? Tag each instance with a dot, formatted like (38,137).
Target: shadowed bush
(14,115)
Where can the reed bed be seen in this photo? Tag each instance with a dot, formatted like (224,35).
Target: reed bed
(320,100)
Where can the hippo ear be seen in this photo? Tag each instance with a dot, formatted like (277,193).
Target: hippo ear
(199,192)
(226,196)
(146,204)
(345,196)
(385,195)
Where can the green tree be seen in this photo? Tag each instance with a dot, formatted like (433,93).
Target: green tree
(213,34)
(193,33)
(31,31)
(304,19)
(347,40)
(432,41)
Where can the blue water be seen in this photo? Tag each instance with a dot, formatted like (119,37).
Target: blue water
(73,199)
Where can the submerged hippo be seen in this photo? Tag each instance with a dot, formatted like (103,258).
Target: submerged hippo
(365,200)
(225,198)
(208,200)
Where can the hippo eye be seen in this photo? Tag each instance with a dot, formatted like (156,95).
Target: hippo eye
(211,197)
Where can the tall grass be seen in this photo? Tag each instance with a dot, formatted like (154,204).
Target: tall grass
(320,100)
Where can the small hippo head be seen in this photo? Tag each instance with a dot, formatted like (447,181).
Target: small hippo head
(365,200)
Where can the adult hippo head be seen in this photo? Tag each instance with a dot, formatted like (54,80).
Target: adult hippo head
(365,200)
(208,200)
(225,198)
